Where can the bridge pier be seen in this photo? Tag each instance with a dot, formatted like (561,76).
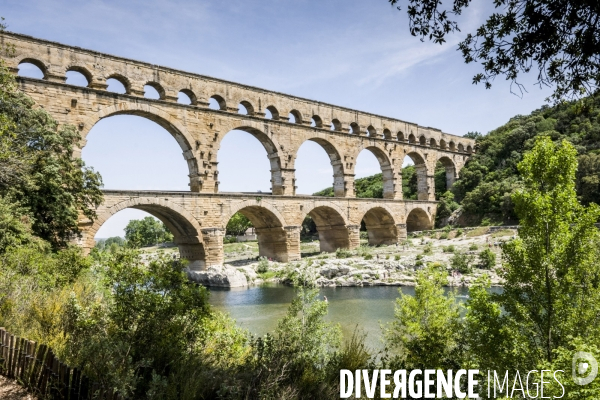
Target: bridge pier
(332,238)
(382,234)
(213,246)
(353,236)
(279,243)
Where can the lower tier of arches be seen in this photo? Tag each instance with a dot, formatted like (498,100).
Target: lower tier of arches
(198,221)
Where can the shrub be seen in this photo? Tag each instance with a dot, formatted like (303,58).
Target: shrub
(397,257)
(461,262)
(428,249)
(443,235)
(459,232)
(487,259)
(263,265)
(448,249)
(419,256)
(343,253)
(364,235)
(473,247)
(368,256)
(364,251)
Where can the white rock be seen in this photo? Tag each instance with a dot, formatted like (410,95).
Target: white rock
(220,276)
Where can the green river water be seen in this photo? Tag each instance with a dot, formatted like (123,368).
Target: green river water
(258,308)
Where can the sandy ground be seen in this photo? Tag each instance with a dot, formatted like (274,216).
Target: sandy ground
(10,390)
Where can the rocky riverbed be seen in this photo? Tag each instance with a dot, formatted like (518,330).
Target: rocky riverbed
(394,265)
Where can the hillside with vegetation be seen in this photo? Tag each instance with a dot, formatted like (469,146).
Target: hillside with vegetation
(487,181)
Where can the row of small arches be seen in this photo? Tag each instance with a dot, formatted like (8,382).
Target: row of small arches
(116,83)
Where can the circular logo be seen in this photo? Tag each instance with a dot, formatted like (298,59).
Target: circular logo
(585,368)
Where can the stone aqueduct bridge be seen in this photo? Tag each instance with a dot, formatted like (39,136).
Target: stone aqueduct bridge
(198,218)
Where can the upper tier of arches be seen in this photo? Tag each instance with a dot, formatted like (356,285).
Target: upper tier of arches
(54,60)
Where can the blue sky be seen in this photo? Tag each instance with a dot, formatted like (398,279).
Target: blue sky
(354,53)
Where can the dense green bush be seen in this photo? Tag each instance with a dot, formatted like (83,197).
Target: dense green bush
(487,259)
(462,262)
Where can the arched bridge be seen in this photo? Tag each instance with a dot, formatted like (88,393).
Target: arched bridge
(281,122)
(198,220)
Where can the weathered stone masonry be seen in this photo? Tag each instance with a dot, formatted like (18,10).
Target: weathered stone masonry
(198,218)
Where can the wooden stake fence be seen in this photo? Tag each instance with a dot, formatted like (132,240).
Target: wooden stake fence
(37,369)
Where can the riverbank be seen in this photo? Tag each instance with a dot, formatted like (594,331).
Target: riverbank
(393,265)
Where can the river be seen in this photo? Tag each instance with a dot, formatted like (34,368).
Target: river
(258,308)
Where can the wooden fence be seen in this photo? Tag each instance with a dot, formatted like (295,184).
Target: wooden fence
(37,369)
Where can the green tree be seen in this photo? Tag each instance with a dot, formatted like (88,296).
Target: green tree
(551,272)
(238,224)
(426,331)
(39,173)
(551,276)
(146,232)
(558,37)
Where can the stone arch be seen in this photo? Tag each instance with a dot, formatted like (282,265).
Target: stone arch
(331,226)
(83,71)
(37,63)
(181,223)
(337,164)
(442,144)
(461,148)
(336,125)
(421,171)
(469,149)
(191,95)
(452,146)
(278,181)
(166,121)
(272,212)
(248,106)
(371,132)
(418,220)
(354,128)
(317,121)
(158,87)
(412,138)
(274,113)
(123,80)
(422,140)
(432,142)
(450,170)
(297,116)
(270,229)
(381,226)
(220,101)
(387,134)
(387,170)
(400,136)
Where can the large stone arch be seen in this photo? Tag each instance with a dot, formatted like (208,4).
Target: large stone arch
(275,240)
(281,179)
(253,203)
(163,119)
(381,225)
(182,224)
(331,226)
(418,220)
(450,166)
(337,164)
(423,177)
(387,170)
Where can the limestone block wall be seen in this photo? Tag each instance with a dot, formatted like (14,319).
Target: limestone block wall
(343,133)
